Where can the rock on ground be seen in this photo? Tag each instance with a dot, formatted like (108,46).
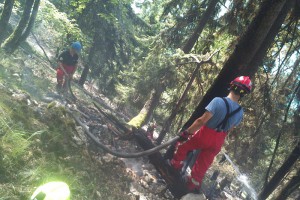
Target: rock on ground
(191,196)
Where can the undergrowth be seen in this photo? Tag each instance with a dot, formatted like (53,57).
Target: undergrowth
(36,143)
(45,152)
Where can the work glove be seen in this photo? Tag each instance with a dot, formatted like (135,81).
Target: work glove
(184,136)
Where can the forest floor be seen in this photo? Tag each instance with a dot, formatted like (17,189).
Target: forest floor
(40,142)
(43,143)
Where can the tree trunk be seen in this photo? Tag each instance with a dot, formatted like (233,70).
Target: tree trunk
(294,183)
(282,171)
(10,43)
(280,133)
(86,69)
(28,29)
(84,74)
(260,54)
(290,187)
(145,114)
(297,116)
(200,26)
(246,50)
(169,121)
(8,6)
(172,177)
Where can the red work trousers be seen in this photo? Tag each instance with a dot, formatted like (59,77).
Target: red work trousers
(209,142)
(60,73)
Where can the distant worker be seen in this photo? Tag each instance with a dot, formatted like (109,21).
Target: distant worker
(52,191)
(67,65)
(208,132)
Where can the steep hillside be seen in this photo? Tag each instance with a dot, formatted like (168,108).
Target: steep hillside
(37,138)
(37,147)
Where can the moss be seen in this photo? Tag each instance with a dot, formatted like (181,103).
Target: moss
(138,120)
(51,104)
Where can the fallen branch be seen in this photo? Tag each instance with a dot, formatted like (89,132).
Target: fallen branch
(38,43)
(112,118)
(120,154)
(196,60)
(176,108)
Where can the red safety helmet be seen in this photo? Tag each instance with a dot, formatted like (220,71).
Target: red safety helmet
(241,84)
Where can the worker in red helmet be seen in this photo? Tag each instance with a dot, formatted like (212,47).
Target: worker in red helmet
(208,132)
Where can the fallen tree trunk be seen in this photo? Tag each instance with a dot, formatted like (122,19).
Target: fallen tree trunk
(120,154)
(171,176)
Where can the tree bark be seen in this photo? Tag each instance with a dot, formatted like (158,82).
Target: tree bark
(86,69)
(169,174)
(297,116)
(245,51)
(200,26)
(260,54)
(292,74)
(290,187)
(280,133)
(145,114)
(5,15)
(279,175)
(10,43)
(28,29)
(84,74)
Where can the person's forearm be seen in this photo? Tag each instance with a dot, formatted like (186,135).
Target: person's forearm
(199,122)
(195,126)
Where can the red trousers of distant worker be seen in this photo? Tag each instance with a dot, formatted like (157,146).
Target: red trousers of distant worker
(60,73)
(209,142)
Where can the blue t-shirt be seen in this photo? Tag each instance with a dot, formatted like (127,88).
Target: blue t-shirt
(218,109)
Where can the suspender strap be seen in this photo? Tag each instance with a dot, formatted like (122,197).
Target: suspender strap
(223,123)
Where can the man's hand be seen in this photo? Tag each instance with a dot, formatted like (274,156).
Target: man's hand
(184,135)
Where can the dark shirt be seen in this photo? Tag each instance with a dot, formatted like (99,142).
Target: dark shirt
(66,58)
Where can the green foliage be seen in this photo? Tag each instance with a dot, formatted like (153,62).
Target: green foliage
(110,27)
(158,68)
(65,30)
(15,144)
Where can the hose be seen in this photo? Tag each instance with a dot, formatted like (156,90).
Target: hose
(120,154)
(70,89)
